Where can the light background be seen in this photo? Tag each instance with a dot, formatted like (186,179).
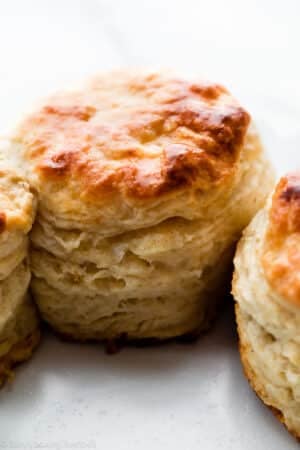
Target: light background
(179,397)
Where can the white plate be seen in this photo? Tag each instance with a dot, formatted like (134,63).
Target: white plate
(172,396)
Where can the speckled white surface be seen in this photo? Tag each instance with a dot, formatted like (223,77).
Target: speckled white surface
(172,396)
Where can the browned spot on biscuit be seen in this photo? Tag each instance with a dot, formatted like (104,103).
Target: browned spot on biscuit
(182,165)
(281,253)
(79,112)
(2,221)
(209,91)
(291,193)
(59,164)
(285,210)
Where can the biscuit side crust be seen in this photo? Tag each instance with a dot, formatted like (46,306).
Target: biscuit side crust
(253,379)
(20,352)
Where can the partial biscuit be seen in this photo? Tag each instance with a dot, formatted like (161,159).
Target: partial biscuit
(19,327)
(265,286)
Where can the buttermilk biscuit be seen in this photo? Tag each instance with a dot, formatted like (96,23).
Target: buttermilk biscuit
(18,320)
(144,183)
(266,287)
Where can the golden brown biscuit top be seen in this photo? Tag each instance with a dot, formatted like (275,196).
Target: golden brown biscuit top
(136,136)
(281,255)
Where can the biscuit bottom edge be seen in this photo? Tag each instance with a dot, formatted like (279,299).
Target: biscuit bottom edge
(20,352)
(121,341)
(181,333)
(253,379)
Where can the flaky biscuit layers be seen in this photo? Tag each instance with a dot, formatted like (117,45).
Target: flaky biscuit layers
(266,287)
(19,332)
(144,183)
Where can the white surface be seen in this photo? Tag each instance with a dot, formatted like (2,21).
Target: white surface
(179,397)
